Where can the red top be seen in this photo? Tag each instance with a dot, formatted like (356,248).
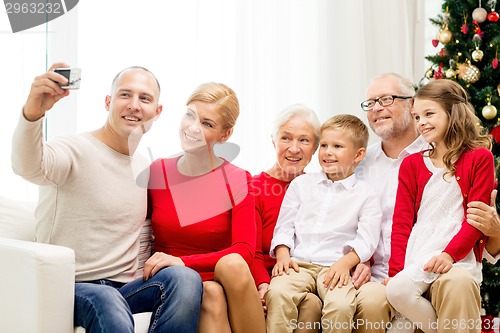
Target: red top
(269,194)
(475,175)
(203,218)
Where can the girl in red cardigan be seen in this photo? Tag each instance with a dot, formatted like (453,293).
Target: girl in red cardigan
(430,234)
(203,215)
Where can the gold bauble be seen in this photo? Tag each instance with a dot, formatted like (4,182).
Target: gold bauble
(477,55)
(498,89)
(450,73)
(445,36)
(429,73)
(469,73)
(489,111)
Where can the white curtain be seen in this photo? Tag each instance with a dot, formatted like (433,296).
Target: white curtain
(273,53)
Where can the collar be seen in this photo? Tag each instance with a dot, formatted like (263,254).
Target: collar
(347,183)
(416,146)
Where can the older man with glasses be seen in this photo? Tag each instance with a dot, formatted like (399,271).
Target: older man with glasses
(454,295)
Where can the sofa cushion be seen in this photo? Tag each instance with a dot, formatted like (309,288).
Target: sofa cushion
(17,219)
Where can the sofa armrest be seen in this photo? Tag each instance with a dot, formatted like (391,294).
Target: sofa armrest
(36,287)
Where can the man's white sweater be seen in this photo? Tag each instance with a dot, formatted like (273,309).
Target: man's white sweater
(89,200)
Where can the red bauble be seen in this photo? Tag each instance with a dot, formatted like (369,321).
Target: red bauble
(435,42)
(495,133)
(438,75)
(465,29)
(494,63)
(493,17)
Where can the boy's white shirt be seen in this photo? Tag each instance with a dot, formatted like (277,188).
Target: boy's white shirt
(321,221)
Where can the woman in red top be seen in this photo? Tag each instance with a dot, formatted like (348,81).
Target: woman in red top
(295,139)
(203,215)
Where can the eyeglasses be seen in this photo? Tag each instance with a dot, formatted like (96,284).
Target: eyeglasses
(383,101)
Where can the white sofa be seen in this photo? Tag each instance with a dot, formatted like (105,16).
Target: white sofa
(37,280)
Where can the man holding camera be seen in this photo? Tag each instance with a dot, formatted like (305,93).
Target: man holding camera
(89,201)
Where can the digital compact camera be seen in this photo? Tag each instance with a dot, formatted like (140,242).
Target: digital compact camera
(74,76)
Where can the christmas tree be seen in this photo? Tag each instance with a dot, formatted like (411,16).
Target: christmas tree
(467,43)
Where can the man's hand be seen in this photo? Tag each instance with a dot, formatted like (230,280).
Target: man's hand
(484,217)
(45,92)
(158,261)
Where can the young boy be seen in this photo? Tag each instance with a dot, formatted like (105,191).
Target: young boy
(329,221)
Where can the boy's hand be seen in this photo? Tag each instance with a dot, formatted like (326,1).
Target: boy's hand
(439,264)
(284,265)
(338,275)
(283,261)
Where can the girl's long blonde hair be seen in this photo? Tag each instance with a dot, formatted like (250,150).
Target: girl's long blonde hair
(464,131)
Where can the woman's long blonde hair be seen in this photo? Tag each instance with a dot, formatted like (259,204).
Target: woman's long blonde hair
(464,131)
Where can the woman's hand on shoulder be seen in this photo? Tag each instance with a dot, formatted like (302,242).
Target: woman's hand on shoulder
(158,261)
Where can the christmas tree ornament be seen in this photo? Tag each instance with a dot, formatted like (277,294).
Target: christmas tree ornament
(438,75)
(450,73)
(446,15)
(489,111)
(445,36)
(465,27)
(494,62)
(435,42)
(477,29)
(495,133)
(477,55)
(479,15)
(469,73)
(498,89)
(429,73)
(493,16)
(476,39)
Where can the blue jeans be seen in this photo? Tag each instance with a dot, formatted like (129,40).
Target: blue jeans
(173,295)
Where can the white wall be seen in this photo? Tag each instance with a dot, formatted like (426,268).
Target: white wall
(273,53)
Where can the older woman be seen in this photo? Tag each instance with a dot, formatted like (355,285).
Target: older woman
(203,215)
(295,138)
